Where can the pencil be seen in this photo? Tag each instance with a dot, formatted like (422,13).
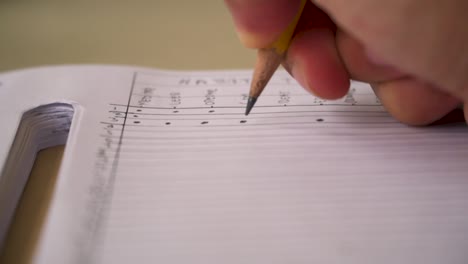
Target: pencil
(269,59)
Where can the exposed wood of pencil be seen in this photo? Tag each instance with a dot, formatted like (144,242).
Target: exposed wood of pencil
(268,61)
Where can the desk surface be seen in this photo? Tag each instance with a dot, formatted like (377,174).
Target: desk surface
(192,35)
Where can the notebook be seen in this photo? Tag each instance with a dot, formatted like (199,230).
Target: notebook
(164,167)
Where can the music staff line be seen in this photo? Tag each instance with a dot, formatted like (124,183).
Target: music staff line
(243,106)
(245,124)
(245,120)
(241,118)
(230,95)
(206,124)
(241,113)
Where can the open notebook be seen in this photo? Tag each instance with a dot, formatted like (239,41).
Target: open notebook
(163,167)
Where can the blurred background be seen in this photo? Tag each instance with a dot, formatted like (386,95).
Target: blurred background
(154,33)
(167,34)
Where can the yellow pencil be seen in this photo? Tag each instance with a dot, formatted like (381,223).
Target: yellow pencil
(269,59)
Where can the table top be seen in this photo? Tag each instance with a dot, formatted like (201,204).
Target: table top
(181,35)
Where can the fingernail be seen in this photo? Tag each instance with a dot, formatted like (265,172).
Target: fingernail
(375,59)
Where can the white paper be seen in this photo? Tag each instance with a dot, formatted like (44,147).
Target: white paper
(164,167)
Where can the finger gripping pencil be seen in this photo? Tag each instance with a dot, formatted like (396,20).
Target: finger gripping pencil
(269,59)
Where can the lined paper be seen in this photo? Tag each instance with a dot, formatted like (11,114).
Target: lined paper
(190,179)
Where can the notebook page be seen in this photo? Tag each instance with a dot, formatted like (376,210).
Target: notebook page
(299,180)
(83,91)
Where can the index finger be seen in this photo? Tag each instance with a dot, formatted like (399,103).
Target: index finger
(259,22)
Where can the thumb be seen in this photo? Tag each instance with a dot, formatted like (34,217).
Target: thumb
(259,22)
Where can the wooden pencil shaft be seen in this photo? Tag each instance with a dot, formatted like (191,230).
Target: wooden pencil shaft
(268,61)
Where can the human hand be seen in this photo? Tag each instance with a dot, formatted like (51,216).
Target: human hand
(414,53)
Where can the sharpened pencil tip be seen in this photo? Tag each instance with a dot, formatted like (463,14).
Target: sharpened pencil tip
(250,104)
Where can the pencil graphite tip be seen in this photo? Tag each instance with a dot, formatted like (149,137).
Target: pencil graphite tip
(250,104)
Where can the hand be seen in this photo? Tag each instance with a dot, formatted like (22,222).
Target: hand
(414,53)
